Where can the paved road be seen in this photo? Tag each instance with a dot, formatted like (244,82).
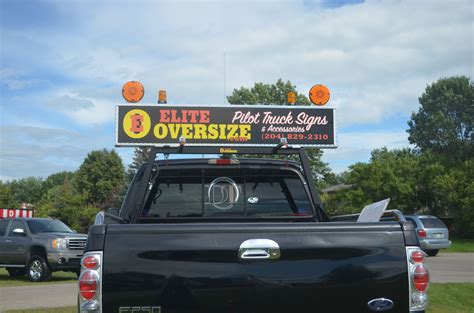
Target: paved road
(446,267)
(33,296)
(451,268)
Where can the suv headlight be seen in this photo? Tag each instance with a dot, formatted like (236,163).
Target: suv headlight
(59,243)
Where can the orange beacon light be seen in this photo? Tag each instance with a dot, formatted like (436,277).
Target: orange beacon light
(133,91)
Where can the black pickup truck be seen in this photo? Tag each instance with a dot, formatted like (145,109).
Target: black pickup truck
(244,236)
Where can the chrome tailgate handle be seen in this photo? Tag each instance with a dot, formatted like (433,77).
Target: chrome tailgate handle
(259,249)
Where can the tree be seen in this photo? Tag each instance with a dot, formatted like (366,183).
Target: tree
(65,203)
(140,156)
(6,196)
(389,174)
(444,122)
(267,94)
(455,190)
(277,94)
(29,190)
(56,179)
(101,177)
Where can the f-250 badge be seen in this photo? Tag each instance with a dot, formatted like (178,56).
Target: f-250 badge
(140,309)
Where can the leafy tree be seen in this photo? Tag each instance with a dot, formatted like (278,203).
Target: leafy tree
(66,204)
(6,196)
(29,190)
(267,94)
(455,190)
(56,179)
(140,156)
(389,174)
(101,177)
(444,122)
(277,94)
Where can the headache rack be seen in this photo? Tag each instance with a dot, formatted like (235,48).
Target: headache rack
(281,149)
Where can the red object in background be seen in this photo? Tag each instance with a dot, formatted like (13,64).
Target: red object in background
(12,213)
(422,233)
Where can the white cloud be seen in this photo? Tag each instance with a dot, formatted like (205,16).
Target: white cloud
(40,151)
(84,111)
(6,179)
(13,79)
(377,57)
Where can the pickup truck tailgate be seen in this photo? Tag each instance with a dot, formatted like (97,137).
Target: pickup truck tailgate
(191,268)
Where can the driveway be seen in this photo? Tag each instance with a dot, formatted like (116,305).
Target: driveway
(38,296)
(451,268)
(444,268)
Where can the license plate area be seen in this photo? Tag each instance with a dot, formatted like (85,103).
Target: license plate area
(438,235)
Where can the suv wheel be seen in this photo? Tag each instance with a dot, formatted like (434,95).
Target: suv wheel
(38,270)
(16,272)
(432,252)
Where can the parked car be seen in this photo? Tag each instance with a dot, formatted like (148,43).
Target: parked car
(432,233)
(39,246)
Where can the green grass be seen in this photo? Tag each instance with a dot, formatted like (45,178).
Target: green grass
(451,298)
(69,309)
(444,298)
(461,245)
(57,277)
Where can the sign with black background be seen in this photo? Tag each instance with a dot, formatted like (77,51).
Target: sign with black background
(225,125)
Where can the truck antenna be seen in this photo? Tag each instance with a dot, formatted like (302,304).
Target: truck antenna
(224,78)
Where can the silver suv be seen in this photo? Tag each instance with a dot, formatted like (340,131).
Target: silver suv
(432,233)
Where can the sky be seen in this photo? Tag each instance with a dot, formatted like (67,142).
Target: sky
(63,64)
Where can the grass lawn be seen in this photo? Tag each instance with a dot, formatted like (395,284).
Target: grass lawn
(57,277)
(444,298)
(451,298)
(461,245)
(69,309)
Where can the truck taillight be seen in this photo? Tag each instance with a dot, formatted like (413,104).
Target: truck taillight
(88,283)
(417,256)
(90,262)
(422,233)
(223,162)
(90,298)
(419,278)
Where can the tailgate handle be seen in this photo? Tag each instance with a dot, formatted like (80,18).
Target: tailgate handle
(259,249)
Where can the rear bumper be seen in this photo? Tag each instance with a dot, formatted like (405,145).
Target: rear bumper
(65,260)
(434,244)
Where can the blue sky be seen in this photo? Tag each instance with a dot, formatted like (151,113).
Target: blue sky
(63,64)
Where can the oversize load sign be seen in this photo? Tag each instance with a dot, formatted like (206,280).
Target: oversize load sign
(225,125)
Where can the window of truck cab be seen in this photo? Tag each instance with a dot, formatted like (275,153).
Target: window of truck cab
(228,192)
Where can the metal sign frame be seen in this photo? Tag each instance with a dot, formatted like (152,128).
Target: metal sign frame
(239,145)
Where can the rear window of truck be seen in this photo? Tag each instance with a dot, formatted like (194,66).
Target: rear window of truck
(432,222)
(227,193)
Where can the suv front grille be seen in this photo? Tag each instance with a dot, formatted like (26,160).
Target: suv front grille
(76,243)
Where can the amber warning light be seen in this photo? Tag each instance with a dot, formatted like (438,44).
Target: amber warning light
(162,96)
(319,94)
(133,91)
(292,98)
